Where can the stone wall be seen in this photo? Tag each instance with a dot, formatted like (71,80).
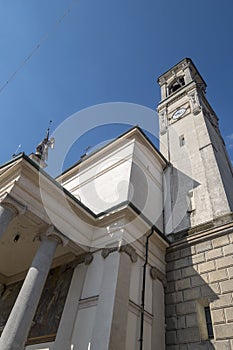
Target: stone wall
(200,274)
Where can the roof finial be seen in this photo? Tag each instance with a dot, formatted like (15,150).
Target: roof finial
(42,149)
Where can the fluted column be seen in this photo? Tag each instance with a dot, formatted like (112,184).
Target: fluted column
(16,331)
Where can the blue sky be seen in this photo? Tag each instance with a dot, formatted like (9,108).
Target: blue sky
(105,51)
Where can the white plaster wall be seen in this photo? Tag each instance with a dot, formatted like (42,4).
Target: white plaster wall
(146,184)
(103,183)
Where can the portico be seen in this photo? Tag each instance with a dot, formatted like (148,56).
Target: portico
(45,226)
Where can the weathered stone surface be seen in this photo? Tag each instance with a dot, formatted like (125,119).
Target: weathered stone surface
(223,331)
(220,241)
(191,320)
(229,315)
(171,337)
(192,294)
(183,284)
(202,247)
(224,300)
(170,310)
(188,271)
(188,335)
(218,316)
(222,345)
(181,322)
(198,258)
(173,275)
(206,267)
(224,262)
(187,307)
(218,275)
(226,286)
(213,254)
(171,323)
(228,250)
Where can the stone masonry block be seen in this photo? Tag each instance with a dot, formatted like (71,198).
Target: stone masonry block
(228,249)
(183,284)
(224,262)
(188,271)
(198,258)
(206,267)
(171,256)
(220,241)
(207,291)
(229,315)
(171,323)
(191,320)
(197,281)
(178,264)
(224,300)
(200,346)
(226,286)
(186,308)
(215,288)
(170,298)
(231,237)
(218,316)
(192,294)
(170,310)
(222,345)
(218,275)
(171,337)
(185,252)
(172,347)
(188,335)
(213,254)
(202,247)
(173,275)
(230,272)
(181,322)
(223,331)
(170,287)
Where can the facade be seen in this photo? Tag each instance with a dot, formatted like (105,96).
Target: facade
(131,248)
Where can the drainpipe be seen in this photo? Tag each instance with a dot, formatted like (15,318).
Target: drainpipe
(144,288)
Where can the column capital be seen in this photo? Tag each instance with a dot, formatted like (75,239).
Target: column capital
(157,274)
(13,204)
(128,249)
(85,258)
(52,233)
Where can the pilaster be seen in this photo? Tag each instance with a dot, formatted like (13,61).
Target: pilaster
(113,303)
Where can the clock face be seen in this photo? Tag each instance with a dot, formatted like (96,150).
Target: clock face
(178,113)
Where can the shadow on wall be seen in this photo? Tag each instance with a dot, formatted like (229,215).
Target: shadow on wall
(190,298)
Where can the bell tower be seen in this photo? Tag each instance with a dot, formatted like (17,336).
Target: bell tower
(199,182)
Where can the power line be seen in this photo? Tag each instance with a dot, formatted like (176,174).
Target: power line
(36,48)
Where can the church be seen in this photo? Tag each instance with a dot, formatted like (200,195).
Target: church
(131,248)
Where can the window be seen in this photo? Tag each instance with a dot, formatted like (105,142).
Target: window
(182,140)
(178,83)
(204,319)
(209,322)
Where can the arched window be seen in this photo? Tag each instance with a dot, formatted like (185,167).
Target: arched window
(176,84)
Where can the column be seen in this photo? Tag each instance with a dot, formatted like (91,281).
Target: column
(112,311)
(158,309)
(66,326)
(8,210)
(16,331)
